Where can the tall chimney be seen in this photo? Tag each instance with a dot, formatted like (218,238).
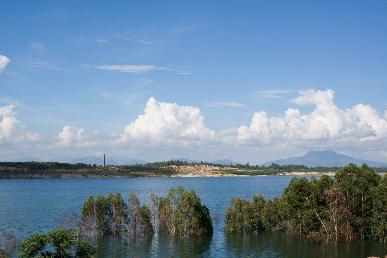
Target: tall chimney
(104,160)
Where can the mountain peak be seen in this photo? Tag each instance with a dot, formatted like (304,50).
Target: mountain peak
(325,158)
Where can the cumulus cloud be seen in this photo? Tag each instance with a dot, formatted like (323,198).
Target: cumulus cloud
(10,129)
(7,121)
(326,123)
(3,62)
(164,122)
(70,135)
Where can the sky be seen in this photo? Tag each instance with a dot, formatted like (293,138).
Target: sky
(249,81)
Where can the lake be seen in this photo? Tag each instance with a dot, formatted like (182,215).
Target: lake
(30,206)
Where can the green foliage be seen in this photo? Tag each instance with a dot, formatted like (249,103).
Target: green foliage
(3,254)
(356,184)
(240,217)
(118,216)
(139,217)
(353,204)
(112,216)
(102,215)
(379,211)
(61,243)
(181,213)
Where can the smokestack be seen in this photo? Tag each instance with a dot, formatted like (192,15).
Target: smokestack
(104,160)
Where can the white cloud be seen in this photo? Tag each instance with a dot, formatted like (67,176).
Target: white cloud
(70,135)
(326,123)
(7,121)
(227,104)
(102,40)
(3,62)
(10,129)
(168,123)
(166,130)
(135,39)
(129,68)
(273,94)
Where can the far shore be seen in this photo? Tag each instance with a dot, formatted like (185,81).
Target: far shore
(179,175)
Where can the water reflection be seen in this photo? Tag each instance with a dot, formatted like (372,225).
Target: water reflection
(277,244)
(161,245)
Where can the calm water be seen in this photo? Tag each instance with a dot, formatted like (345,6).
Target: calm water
(29,206)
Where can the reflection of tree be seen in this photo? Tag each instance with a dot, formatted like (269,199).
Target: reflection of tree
(279,244)
(116,247)
(174,246)
(163,244)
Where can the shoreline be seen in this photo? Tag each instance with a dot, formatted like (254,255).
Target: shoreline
(179,175)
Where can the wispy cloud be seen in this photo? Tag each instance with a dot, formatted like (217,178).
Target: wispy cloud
(183,29)
(9,101)
(128,96)
(102,40)
(273,94)
(127,68)
(130,68)
(225,104)
(135,39)
(38,47)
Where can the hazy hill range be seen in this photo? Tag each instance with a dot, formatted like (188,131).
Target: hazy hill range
(225,162)
(109,161)
(325,158)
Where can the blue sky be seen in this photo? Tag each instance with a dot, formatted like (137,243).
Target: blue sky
(94,65)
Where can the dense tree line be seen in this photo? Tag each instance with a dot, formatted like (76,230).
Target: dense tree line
(351,205)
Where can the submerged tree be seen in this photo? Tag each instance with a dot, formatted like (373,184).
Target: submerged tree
(353,204)
(240,216)
(379,211)
(101,216)
(118,216)
(339,215)
(181,213)
(88,223)
(140,217)
(61,243)
(356,184)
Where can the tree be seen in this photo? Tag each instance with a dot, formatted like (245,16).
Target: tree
(379,211)
(182,213)
(61,243)
(273,215)
(140,218)
(102,215)
(297,195)
(88,223)
(239,217)
(118,216)
(337,224)
(356,183)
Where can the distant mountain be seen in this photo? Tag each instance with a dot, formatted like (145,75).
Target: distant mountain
(225,162)
(109,161)
(25,159)
(325,158)
(187,160)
